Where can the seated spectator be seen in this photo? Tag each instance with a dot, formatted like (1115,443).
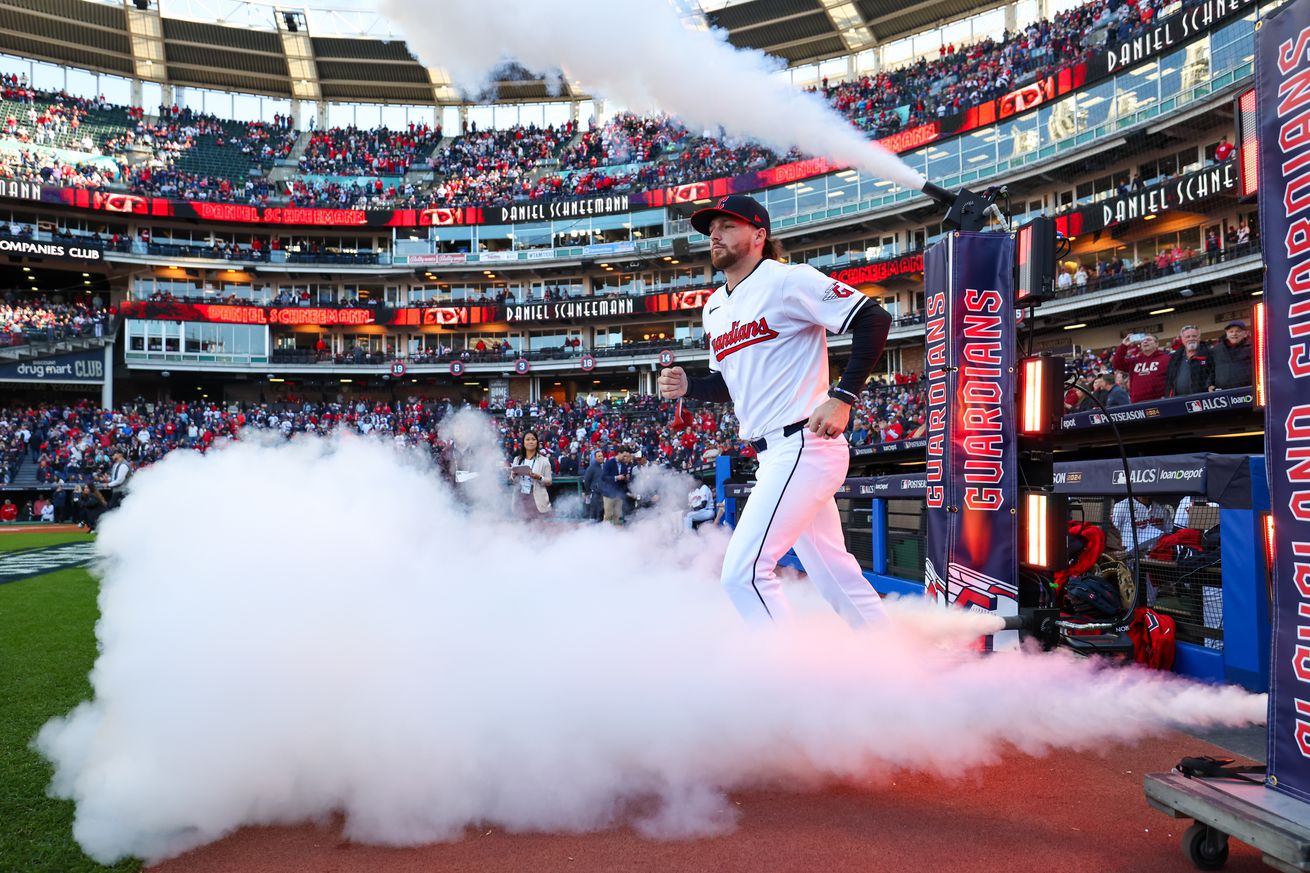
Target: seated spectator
(1148,522)
(700,503)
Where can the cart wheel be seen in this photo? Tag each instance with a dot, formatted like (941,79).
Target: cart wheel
(1205,847)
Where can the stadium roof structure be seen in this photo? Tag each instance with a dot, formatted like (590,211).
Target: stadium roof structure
(281,51)
(807,30)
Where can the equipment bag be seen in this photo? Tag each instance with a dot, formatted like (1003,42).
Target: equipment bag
(1092,596)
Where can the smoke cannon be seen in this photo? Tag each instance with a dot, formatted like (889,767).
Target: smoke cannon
(966,210)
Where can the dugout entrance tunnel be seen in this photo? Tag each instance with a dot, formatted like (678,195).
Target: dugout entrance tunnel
(1217,594)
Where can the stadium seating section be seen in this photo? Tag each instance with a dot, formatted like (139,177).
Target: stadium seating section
(208,158)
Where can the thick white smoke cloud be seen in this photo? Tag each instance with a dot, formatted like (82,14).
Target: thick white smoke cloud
(643,56)
(294,630)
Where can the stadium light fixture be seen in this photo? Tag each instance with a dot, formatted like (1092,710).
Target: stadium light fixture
(1164,311)
(1268,530)
(1035,262)
(1259,351)
(1035,552)
(1075,326)
(27,269)
(1040,383)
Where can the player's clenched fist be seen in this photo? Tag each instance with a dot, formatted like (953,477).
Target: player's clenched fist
(672,383)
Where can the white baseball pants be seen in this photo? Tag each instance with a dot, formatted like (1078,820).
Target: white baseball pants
(792,506)
(689,520)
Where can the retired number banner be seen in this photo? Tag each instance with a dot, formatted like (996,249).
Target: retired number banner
(972,475)
(1282,69)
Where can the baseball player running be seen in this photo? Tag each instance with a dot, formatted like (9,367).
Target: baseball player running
(769,355)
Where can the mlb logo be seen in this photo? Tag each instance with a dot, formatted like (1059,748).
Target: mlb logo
(1195,406)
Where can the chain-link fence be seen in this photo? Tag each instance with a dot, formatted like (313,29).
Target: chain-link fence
(906,534)
(1176,552)
(857,528)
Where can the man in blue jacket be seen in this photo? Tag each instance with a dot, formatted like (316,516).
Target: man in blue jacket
(591,485)
(615,477)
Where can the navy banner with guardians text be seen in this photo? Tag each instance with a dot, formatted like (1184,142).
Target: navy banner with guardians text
(1283,99)
(971,477)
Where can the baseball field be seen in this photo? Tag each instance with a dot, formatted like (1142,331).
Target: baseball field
(47,646)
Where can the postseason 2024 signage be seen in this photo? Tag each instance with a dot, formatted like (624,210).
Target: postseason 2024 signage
(1282,76)
(972,460)
(1210,403)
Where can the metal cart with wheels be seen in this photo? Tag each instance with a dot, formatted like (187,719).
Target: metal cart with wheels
(1247,811)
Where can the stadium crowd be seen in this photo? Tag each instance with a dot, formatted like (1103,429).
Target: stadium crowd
(25,320)
(350,151)
(494,166)
(624,153)
(967,75)
(72,443)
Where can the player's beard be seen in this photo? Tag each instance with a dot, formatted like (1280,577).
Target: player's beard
(726,258)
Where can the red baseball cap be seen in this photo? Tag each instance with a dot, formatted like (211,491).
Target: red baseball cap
(738,206)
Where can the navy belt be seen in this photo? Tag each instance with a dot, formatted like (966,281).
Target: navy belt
(761,444)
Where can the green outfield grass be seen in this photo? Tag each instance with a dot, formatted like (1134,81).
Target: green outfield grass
(47,646)
(14,542)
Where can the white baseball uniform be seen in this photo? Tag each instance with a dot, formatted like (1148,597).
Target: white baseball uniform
(769,340)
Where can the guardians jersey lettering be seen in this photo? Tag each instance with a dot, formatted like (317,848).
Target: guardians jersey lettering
(739,336)
(768,338)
